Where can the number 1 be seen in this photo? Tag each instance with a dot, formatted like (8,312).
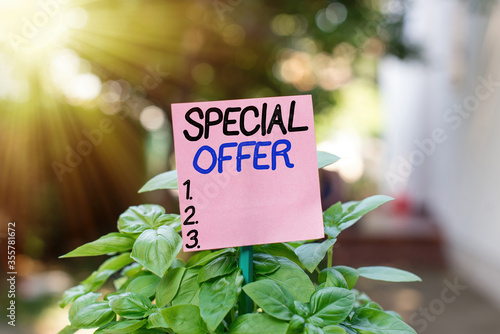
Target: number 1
(188,187)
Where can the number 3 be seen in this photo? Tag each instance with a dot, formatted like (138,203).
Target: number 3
(194,238)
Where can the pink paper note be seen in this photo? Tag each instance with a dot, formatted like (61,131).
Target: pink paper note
(247,172)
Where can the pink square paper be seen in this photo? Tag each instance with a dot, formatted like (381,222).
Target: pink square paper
(242,199)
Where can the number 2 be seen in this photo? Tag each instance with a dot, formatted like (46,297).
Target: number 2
(187,221)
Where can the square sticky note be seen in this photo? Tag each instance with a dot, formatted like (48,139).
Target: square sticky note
(247,172)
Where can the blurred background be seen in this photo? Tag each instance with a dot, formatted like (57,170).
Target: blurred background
(406,92)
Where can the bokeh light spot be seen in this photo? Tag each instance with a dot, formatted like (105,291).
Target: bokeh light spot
(152,118)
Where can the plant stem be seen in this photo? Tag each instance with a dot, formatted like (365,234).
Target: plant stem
(330,257)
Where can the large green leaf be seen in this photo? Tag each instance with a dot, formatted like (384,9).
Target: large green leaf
(332,305)
(188,289)
(312,254)
(184,319)
(167,180)
(169,285)
(264,264)
(257,323)
(130,305)
(325,159)
(353,211)
(157,249)
(221,266)
(137,219)
(379,322)
(218,297)
(273,299)
(109,243)
(388,274)
(144,285)
(93,316)
(291,277)
(121,327)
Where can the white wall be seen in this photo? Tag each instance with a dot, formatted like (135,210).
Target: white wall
(457,176)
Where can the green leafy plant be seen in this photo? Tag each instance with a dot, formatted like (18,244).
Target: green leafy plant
(157,293)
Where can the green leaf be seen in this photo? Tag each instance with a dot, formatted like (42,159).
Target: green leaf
(109,243)
(388,274)
(81,302)
(105,270)
(350,330)
(149,331)
(316,321)
(373,305)
(333,330)
(68,330)
(257,323)
(130,305)
(208,257)
(155,320)
(325,159)
(351,275)
(279,249)
(394,314)
(264,264)
(332,305)
(71,294)
(313,253)
(296,325)
(353,211)
(302,309)
(157,249)
(116,262)
(218,297)
(291,277)
(196,256)
(333,215)
(167,180)
(312,329)
(188,289)
(169,285)
(273,299)
(97,279)
(379,322)
(221,266)
(131,269)
(332,231)
(137,219)
(93,316)
(184,319)
(121,327)
(144,285)
(332,278)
